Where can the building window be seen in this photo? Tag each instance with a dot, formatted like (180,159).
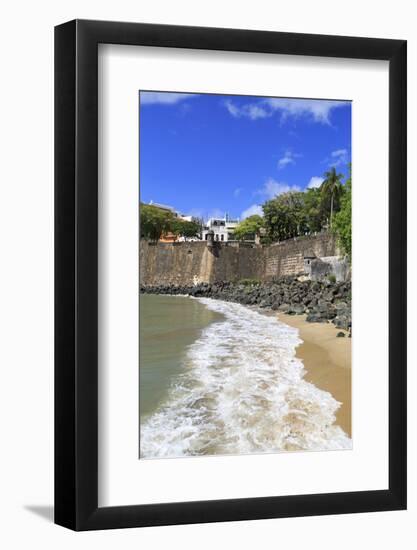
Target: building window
(217,237)
(222,237)
(206,237)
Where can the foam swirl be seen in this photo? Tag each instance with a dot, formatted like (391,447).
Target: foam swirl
(242,391)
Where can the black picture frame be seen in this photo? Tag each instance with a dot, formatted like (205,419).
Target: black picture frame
(76,272)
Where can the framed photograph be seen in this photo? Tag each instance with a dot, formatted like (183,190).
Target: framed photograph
(230,284)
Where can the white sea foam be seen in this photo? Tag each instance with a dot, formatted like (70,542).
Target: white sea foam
(242,391)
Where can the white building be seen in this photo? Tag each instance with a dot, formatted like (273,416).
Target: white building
(222,228)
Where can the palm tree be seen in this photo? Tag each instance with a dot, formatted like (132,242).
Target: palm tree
(332,186)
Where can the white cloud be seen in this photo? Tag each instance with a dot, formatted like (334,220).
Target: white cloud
(339,153)
(163,98)
(319,110)
(252,111)
(338,157)
(272,188)
(288,158)
(237,191)
(251,211)
(315,182)
(256,111)
(232,108)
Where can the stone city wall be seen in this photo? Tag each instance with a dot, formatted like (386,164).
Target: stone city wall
(187,263)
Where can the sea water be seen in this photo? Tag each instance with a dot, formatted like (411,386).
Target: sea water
(221,378)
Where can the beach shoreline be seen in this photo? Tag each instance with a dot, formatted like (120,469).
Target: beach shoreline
(327,361)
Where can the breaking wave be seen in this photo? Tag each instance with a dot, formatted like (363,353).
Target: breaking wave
(242,391)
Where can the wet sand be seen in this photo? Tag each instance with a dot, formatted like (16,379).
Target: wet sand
(327,360)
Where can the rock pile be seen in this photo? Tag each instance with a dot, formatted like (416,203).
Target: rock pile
(322,301)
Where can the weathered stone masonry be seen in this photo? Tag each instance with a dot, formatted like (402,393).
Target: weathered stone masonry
(188,263)
(287,257)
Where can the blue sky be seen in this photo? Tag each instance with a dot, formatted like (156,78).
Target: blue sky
(210,154)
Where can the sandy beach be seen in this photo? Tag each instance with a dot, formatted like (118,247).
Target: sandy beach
(327,360)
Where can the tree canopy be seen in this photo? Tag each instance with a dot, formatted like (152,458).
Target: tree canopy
(342,224)
(184,228)
(156,222)
(298,213)
(285,216)
(332,190)
(249,227)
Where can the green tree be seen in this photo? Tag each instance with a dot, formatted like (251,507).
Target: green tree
(332,188)
(192,229)
(184,228)
(285,216)
(154,221)
(342,225)
(249,227)
(314,210)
